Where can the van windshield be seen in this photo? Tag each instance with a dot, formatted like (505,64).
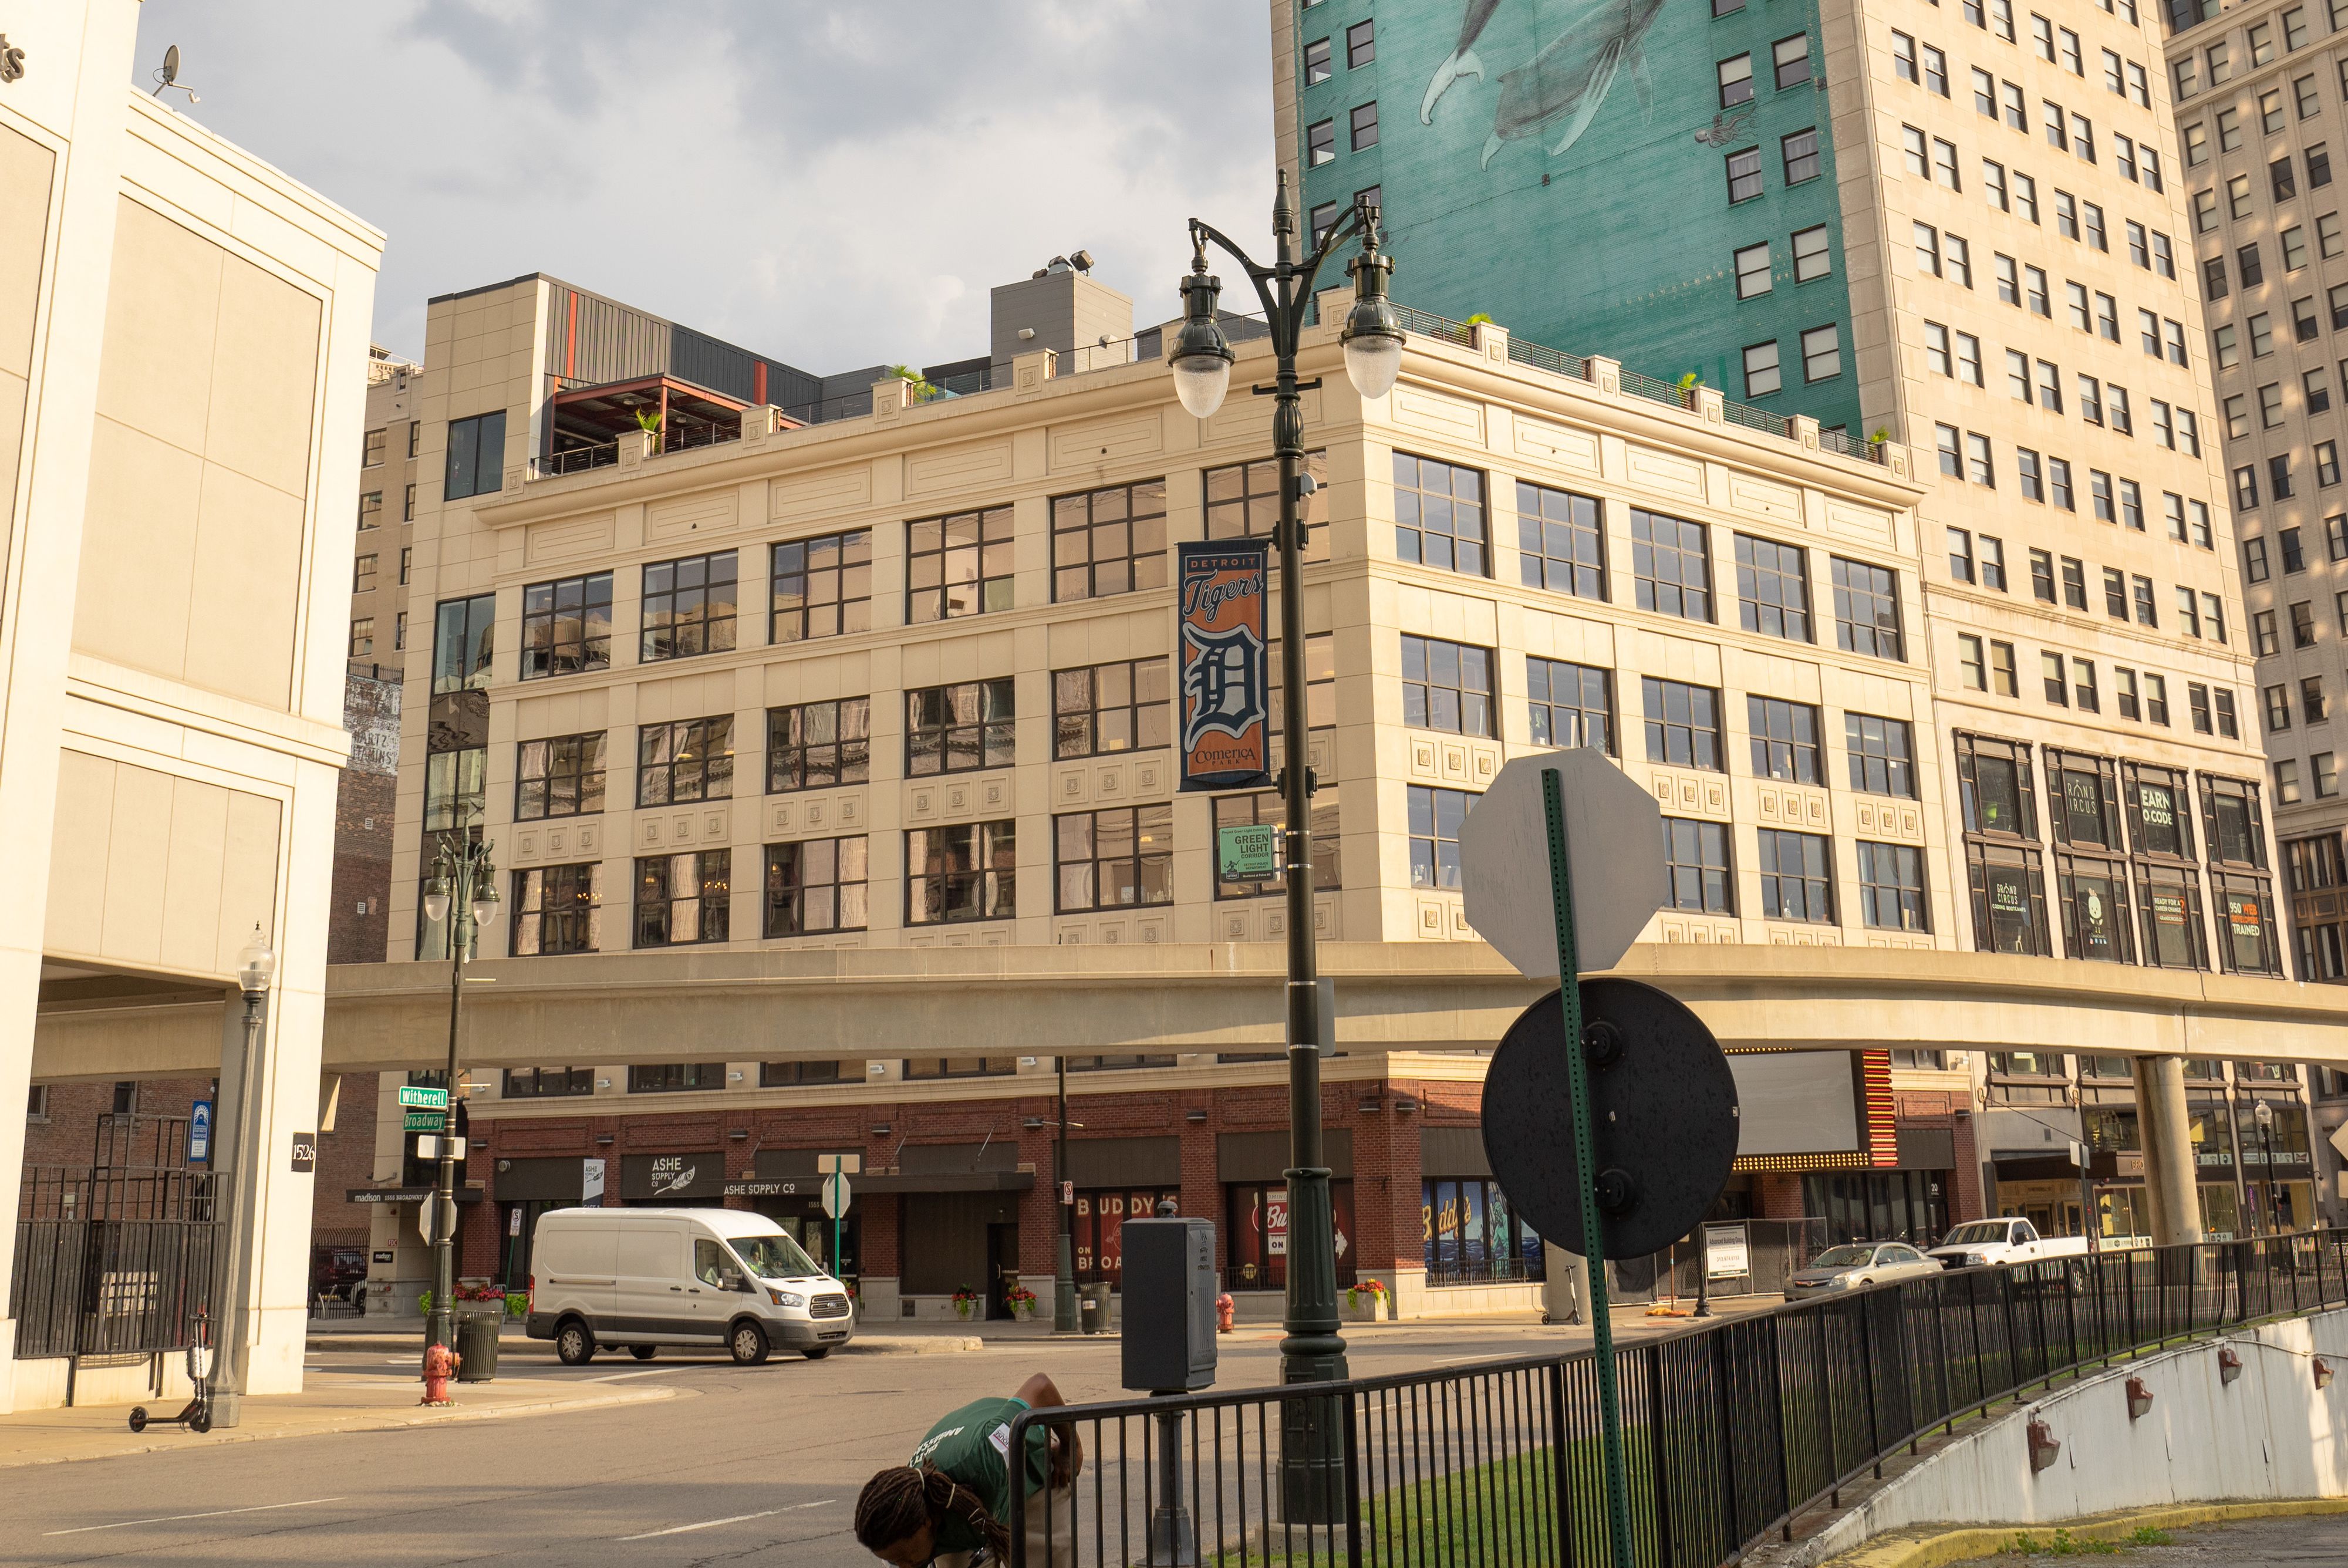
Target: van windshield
(774,1257)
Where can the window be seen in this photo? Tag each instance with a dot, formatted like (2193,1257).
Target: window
(1695,860)
(399,631)
(362,636)
(954,566)
(1822,346)
(1984,93)
(1761,377)
(1952,461)
(454,787)
(1867,609)
(2083,686)
(2263,636)
(1438,515)
(1264,808)
(1752,271)
(1977,463)
(2075,583)
(920,1068)
(1571,705)
(1434,818)
(1881,750)
(2277,706)
(1973,667)
(2311,699)
(2009,281)
(823,587)
(2001,817)
(2025,196)
(1364,126)
(818,745)
(2295,555)
(1772,588)
(2319,167)
(1993,185)
(667,1076)
(2146,614)
(371,451)
(1446,687)
(2083,139)
(1316,63)
(1559,544)
(1944,164)
(688,606)
(817,885)
(537,1083)
(960,729)
(566,625)
(962,873)
(1992,562)
(2042,576)
(1110,541)
(1115,859)
(1744,167)
(1800,155)
(1961,555)
(2132,504)
(2124,688)
(2303,624)
(406,562)
(2115,603)
(461,643)
(1669,565)
(1791,59)
(1735,77)
(477,455)
(559,777)
(1891,887)
(1968,360)
(683,899)
(370,511)
(1682,724)
(1795,882)
(1936,350)
(1361,46)
(2052,681)
(1243,502)
(2034,290)
(1103,709)
(1784,737)
(2017,376)
(1321,143)
(558,909)
(691,759)
(2286,778)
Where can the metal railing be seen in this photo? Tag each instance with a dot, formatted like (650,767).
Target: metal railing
(1426,323)
(111,1259)
(1556,361)
(1732,1430)
(577,459)
(1666,392)
(1843,443)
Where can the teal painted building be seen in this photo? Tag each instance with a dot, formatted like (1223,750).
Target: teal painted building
(1650,182)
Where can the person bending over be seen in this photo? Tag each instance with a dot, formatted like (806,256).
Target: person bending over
(951,1502)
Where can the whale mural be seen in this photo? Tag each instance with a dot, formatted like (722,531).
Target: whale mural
(1562,88)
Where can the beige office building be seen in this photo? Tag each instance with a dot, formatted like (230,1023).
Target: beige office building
(182,339)
(826,767)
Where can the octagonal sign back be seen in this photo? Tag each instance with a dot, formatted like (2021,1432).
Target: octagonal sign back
(1614,837)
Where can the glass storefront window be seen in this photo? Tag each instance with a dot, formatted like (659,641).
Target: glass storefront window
(1471,1234)
(1255,1234)
(1099,1226)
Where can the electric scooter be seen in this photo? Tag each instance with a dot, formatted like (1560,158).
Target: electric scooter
(196,1416)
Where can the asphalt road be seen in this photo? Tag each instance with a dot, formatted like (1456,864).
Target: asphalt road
(745,1465)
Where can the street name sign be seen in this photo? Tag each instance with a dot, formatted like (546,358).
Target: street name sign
(423,1120)
(415,1098)
(1616,830)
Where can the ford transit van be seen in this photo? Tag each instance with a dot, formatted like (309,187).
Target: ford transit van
(649,1278)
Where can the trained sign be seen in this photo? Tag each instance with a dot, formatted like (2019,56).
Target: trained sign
(1616,833)
(1226,704)
(412,1097)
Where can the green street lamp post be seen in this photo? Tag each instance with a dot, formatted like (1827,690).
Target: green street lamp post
(1311,1350)
(464,893)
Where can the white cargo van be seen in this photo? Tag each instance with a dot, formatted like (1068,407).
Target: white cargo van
(649,1278)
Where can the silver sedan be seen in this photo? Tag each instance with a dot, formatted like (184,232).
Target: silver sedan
(1858,1264)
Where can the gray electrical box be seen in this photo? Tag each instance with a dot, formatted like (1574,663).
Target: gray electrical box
(1170,1305)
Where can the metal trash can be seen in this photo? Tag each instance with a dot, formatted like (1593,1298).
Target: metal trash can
(477,1341)
(1091,1309)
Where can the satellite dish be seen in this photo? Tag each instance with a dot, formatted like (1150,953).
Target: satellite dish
(167,75)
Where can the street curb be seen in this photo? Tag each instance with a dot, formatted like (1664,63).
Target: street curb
(870,1345)
(411,1415)
(1937,1550)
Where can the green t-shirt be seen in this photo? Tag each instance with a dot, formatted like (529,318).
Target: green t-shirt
(973,1445)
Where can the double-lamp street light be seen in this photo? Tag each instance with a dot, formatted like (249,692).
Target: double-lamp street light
(463,880)
(1311,1350)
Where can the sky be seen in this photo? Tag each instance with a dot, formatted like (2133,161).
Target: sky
(832,184)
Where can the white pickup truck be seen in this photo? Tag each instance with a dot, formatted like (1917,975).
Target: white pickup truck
(1979,1242)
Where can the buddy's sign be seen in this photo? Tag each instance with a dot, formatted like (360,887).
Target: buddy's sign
(1226,687)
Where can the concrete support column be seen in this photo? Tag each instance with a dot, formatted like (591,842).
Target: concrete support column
(2168,1177)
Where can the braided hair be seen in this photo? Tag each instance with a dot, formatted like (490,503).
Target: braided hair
(901,1498)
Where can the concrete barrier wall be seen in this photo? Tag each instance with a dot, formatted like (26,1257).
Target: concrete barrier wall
(2269,1433)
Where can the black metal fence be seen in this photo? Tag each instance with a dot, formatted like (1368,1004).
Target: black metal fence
(1731,1431)
(111,1260)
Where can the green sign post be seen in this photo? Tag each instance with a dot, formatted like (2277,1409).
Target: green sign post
(1593,1233)
(1248,853)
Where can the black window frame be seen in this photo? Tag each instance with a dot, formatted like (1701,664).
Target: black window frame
(792,758)
(990,731)
(559,621)
(667,640)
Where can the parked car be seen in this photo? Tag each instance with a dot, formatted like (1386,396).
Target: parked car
(1855,1264)
(338,1271)
(1979,1243)
(648,1277)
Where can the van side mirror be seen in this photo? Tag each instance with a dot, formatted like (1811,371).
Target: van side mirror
(741,1283)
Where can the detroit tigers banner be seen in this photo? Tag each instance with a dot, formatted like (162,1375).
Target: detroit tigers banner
(1226,689)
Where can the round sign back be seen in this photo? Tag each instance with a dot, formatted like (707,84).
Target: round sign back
(1661,1101)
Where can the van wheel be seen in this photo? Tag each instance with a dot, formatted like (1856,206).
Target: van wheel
(641,1352)
(817,1353)
(574,1344)
(749,1344)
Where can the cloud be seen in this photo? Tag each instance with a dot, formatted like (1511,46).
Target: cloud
(833,185)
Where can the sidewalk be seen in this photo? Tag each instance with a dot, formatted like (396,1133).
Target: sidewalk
(338,1402)
(392,1335)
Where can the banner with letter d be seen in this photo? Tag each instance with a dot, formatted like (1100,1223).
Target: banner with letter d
(1226,687)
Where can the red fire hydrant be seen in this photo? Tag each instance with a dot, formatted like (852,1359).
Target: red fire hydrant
(1224,1308)
(440,1363)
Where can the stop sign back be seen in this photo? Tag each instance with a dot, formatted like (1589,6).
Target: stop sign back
(1614,832)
